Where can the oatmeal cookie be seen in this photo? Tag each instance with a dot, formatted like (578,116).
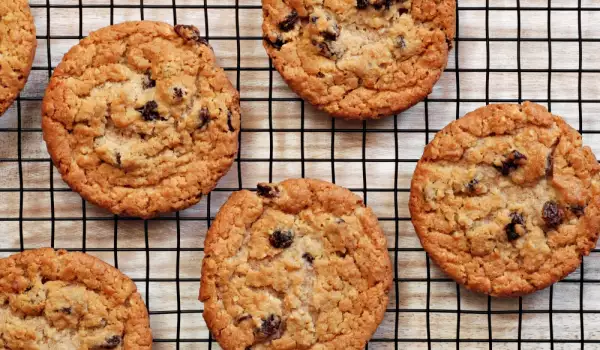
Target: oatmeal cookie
(298,265)
(506,200)
(360,59)
(140,120)
(17,49)
(57,300)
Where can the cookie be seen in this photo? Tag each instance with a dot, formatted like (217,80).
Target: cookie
(140,120)
(298,265)
(58,300)
(17,49)
(506,200)
(360,59)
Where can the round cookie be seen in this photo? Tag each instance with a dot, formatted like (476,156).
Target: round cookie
(17,49)
(140,120)
(506,200)
(360,59)
(298,265)
(57,300)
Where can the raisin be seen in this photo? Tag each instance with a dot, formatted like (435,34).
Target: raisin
(362,4)
(578,210)
(324,49)
(277,44)
(511,232)
(281,238)
(148,82)
(552,214)
(178,93)
(471,185)
(243,318)
(267,191)
(289,22)
(109,343)
(448,41)
(204,117)
(229,121)
(66,310)
(550,165)
(512,162)
(150,111)
(332,33)
(308,257)
(190,33)
(400,42)
(270,328)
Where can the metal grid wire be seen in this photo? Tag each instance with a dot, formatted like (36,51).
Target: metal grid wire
(550,53)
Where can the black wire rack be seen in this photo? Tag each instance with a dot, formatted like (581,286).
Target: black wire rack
(506,51)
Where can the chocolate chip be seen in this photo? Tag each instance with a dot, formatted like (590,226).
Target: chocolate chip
(229,121)
(403,10)
(471,185)
(271,328)
(511,232)
(118,158)
(148,82)
(362,4)
(66,310)
(552,214)
(512,161)
(243,318)
(150,111)
(400,42)
(320,75)
(578,210)
(308,257)
(178,93)
(109,343)
(204,117)
(267,191)
(277,44)
(281,238)
(289,22)
(190,33)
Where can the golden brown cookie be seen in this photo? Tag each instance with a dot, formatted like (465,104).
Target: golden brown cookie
(139,119)
(17,49)
(298,265)
(360,59)
(506,200)
(56,300)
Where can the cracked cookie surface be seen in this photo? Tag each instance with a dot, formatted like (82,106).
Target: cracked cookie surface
(54,300)
(17,49)
(360,59)
(139,119)
(298,265)
(506,200)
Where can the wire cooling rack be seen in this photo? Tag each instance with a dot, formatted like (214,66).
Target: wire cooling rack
(506,51)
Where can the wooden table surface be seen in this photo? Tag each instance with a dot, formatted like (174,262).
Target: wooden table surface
(373,159)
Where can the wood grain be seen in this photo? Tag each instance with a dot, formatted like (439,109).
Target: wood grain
(97,232)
